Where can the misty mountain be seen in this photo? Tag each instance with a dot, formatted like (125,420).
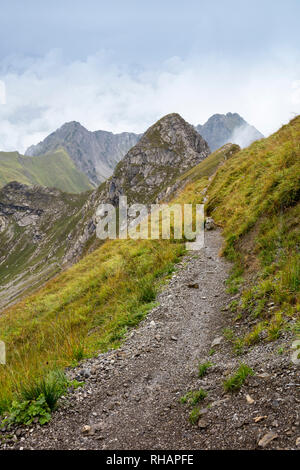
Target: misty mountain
(221,129)
(94,153)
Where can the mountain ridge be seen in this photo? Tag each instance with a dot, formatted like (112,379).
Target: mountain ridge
(53,169)
(167,149)
(95,153)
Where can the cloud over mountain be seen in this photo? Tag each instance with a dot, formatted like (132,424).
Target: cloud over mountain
(44,92)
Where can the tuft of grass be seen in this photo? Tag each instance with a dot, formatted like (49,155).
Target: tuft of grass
(78,352)
(235,382)
(193,397)
(51,387)
(275,327)
(194,415)
(202,368)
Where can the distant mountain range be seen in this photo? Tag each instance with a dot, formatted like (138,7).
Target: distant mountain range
(221,129)
(74,159)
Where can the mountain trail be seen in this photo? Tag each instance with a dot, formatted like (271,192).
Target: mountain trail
(131,396)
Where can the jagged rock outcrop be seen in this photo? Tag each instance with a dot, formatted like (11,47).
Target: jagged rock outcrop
(94,153)
(231,127)
(167,149)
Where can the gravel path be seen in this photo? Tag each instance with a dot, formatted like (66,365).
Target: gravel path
(131,396)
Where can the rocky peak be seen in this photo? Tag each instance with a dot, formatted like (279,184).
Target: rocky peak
(94,153)
(167,149)
(221,129)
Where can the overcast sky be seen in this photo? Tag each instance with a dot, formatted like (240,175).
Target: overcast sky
(121,65)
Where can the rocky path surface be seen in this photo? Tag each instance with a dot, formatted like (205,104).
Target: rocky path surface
(131,397)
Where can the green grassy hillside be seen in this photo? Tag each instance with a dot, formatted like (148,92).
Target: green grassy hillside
(52,170)
(254,196)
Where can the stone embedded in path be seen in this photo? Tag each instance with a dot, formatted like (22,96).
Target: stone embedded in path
(202,423)
(209,223)
(193,285)
(249,399)
(267,438)
(86,429)
(217,341)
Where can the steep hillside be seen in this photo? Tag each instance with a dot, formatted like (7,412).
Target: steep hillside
(254,196)
(42,246)
(54,170)
(39,230)
(94,153)
(221,129)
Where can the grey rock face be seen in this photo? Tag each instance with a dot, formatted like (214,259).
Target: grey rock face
(168,149)
(94,153)
(221,129)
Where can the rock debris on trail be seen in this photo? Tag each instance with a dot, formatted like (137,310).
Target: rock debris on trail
(131,398)
(132,394)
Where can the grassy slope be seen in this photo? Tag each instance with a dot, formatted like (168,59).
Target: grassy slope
(255,197)
(254,194)
(53,170)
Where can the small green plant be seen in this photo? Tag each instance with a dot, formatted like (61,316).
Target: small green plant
(275,327)
(194,415)
(211,352)
(78,352)
(235,382)
(51,387)
(202,368)
(28,411)
(253,337)
(193,397)
(228,334)
(75,384)
(233,306)
(238,346)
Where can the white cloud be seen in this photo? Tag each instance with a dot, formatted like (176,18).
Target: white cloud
(296,92)
(2,93)
(43,93)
